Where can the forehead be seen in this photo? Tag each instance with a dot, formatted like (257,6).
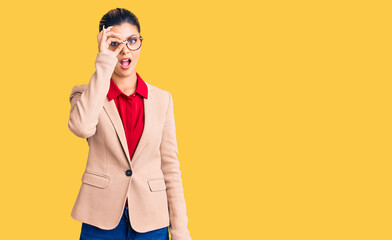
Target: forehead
(126,30)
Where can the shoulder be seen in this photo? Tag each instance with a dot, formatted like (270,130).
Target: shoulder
(161,95)
(77,89)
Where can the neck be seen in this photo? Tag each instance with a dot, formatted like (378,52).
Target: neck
(126,84)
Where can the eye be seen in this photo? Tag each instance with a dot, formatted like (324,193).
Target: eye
(132,40)
(114,44)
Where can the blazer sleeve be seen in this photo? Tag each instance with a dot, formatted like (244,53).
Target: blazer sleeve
(86,103)
(172,175)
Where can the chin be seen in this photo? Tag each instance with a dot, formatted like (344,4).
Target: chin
(124,72)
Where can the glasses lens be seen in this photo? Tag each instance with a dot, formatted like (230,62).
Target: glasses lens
(134,43)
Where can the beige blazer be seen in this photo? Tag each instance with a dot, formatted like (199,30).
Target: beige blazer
(154,187)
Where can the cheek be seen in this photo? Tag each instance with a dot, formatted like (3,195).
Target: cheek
(135,57)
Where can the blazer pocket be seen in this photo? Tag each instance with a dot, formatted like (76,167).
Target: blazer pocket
(95,179)
(157,184)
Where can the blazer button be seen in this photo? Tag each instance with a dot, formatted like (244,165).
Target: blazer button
(128,172)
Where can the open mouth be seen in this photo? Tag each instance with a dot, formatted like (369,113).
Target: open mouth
(125,63)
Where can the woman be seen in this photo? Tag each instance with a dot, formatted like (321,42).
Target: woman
(131,187)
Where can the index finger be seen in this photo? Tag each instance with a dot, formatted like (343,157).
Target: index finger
(104,30)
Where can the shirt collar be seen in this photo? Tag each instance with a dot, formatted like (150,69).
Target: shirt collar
(141,88)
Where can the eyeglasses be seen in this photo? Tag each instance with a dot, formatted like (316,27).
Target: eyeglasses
(133,43)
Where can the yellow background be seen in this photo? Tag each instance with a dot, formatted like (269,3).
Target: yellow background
(283,113)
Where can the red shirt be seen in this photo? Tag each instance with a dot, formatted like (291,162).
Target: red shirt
(131,110)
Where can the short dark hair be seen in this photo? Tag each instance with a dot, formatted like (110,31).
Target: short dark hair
(118,16)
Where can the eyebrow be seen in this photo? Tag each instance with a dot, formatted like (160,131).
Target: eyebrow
(132,35)
(128,37)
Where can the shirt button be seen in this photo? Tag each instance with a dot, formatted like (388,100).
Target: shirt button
(128,172)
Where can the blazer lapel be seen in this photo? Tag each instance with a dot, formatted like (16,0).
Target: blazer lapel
(149,108)
(149,113)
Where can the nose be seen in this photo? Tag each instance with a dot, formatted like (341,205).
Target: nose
(125,49)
